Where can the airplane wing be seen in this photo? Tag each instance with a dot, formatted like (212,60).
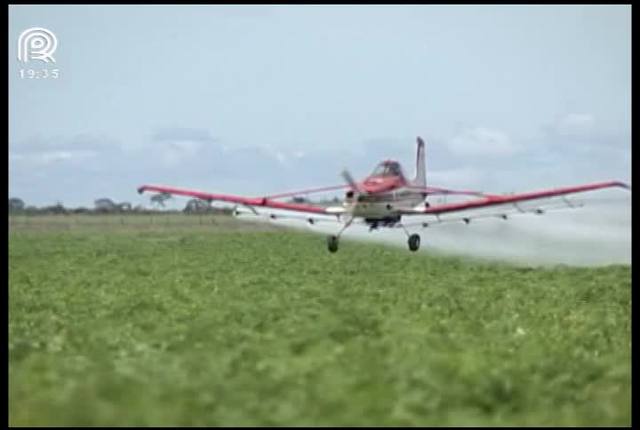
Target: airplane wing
(495,200)
(249,201)
(311,219)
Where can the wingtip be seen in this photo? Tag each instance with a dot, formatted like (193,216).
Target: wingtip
(623,185)
(141,189)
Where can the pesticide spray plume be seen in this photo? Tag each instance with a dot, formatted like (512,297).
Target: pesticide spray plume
(595,234)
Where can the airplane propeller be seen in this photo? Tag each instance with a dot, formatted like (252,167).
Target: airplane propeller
(355,189)
(349,180)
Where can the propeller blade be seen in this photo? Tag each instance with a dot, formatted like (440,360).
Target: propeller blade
(349,179)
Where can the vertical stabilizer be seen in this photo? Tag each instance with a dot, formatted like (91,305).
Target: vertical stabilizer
(421,172)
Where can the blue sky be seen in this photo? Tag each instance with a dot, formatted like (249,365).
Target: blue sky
(259,99)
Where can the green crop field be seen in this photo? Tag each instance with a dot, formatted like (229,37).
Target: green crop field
(182,320)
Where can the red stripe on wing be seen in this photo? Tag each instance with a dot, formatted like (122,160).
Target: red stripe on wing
(250,201)
(497,200)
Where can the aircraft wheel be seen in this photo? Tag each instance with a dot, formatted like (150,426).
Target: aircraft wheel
(414,242)
(332,243)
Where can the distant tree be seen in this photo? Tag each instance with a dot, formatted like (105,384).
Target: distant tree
(58,208)
(196,206)
(299,200)
(105,205)
(124,207)
(159,199)
(16,205)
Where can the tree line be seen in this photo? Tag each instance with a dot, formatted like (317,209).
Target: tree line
(108,206)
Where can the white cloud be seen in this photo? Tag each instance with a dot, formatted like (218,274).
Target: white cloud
(575,124)
(45,158)
(53,156)
(281,157)
(179,151)
(483,142)
(455,178)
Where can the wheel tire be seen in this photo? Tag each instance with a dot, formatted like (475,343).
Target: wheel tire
(414,242)
(332,243)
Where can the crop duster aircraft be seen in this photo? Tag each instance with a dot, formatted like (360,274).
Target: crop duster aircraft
(387,196)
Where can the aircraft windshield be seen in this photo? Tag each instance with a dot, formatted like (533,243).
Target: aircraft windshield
(387,169)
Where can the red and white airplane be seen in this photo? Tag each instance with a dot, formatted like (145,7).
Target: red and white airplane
(386,196)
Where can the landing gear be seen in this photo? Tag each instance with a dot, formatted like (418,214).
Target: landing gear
(332,243)
(414,242)
(414,239)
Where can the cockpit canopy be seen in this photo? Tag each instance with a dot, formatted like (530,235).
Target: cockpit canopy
(387,168)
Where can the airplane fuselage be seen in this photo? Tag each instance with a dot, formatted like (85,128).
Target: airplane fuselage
(381,200)
(383,204)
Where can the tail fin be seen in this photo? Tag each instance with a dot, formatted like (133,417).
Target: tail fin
(421,172)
